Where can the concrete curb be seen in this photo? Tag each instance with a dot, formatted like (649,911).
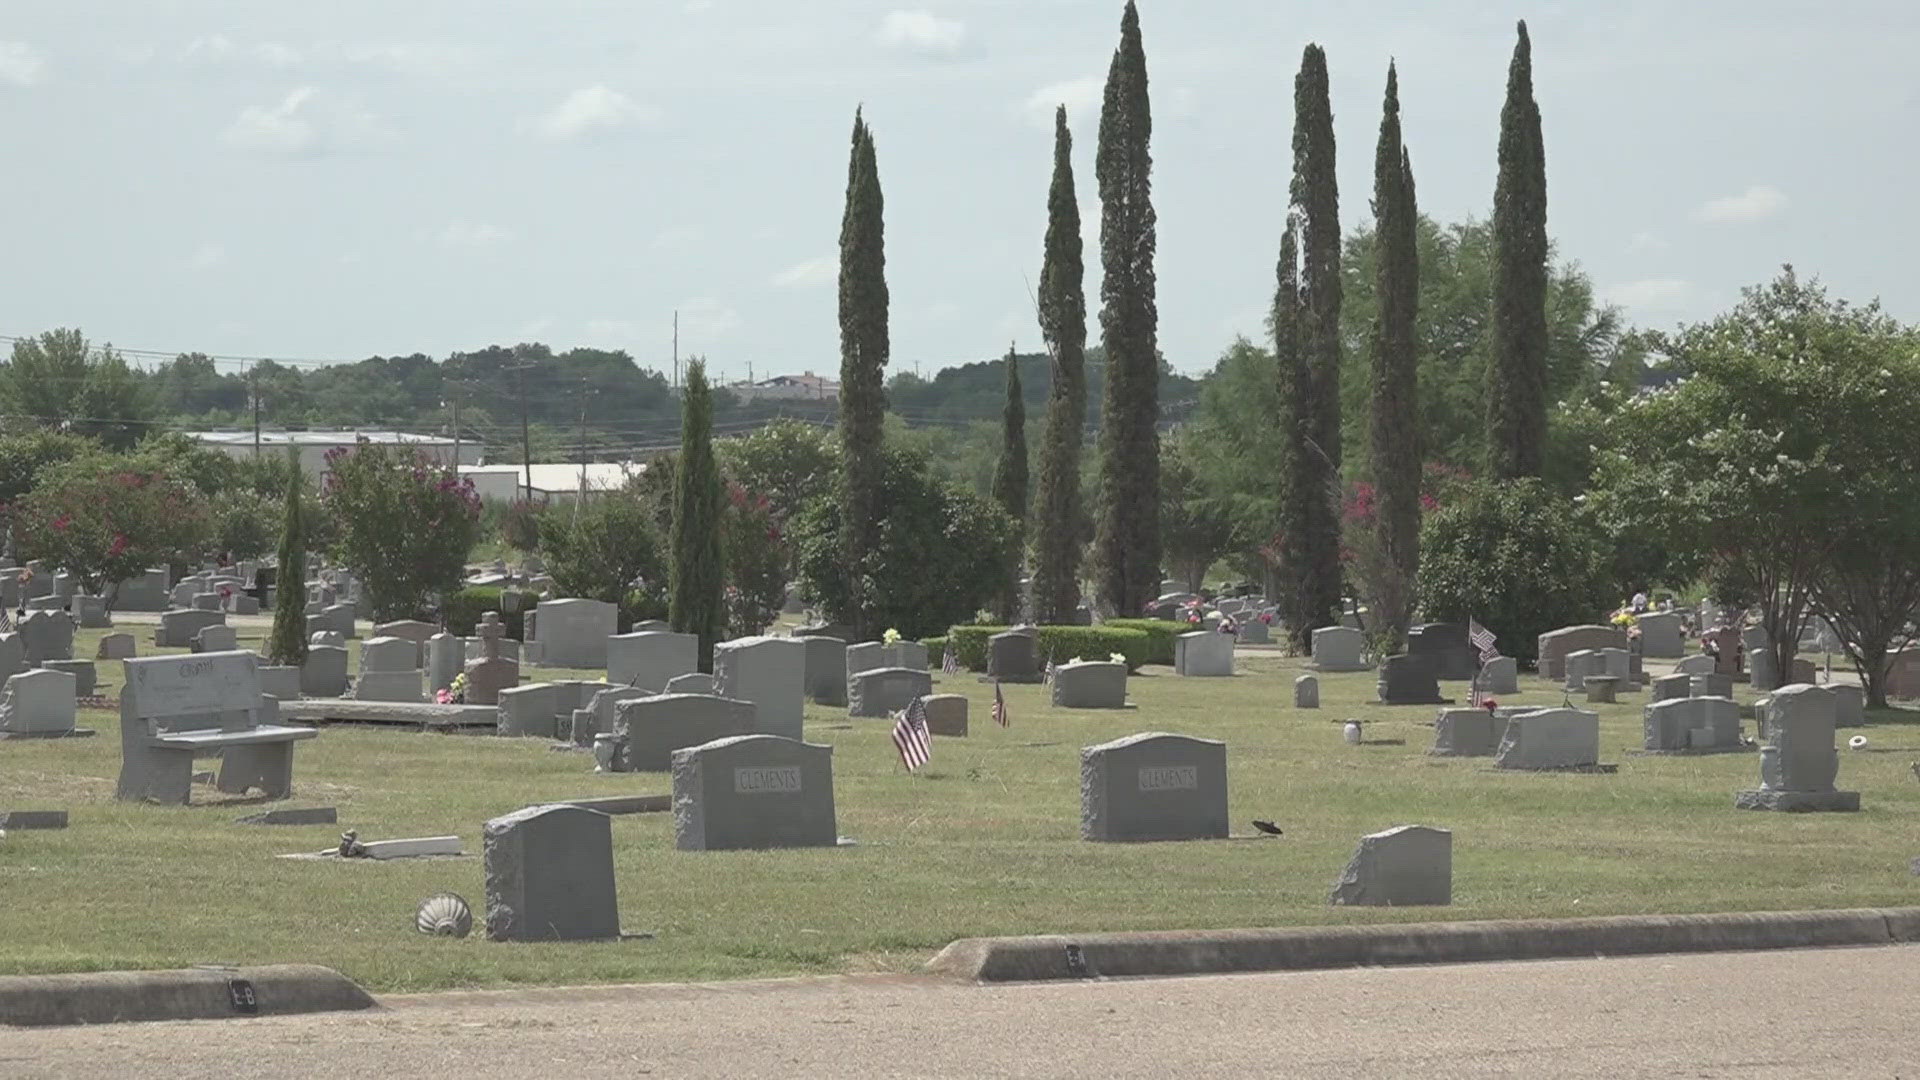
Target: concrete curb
(194,994)
(1210,952)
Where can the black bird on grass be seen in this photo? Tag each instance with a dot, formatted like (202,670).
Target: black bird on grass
(1267,827)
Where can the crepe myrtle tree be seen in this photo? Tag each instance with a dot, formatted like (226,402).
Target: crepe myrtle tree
(403,522)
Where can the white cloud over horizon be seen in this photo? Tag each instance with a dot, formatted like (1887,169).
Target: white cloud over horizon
(307,122)
(20,63)
(812,273)
(923,32)
(1757,203)
(588,111)
(1081,97)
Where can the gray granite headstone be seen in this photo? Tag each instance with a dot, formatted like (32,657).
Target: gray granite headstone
(445,656)
(574,632)
(650,729)
(1668,687)
(1763,673)
(116,647)
(1500,675)
(770,672)
(84,678)
(280,681)
(1203,653)
(389,654)
(1090,684)
(46,635)
(1558,738)
(1798,763)
(324,672)
(1661,635)
(1408,680)
(386,685)
(752,792)
(946,715)
(90,612)
(1405,866)
(694,682)
(1013,657)
(1306,692)
(1154,786)
(826,670)
(215,639)
(37,704)
(1454,659)
(549,875)
(1849,705)
(1711,684)
(1697,664)
(648,658)
(1691,723)
(884,691)
(531,710)
(13,656)
(179,627)
(1466,733)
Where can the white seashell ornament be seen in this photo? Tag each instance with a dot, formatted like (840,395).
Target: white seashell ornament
(444,915)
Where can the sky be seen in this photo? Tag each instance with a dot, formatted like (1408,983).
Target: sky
(337,180)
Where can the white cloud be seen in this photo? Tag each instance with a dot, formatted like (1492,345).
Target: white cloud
(589,110)
(1757,203)
(20,64)
(704,320)
(1647,243)
(1080,96)
(824,270)
(923,32)
(207,256)
(306,122)
(473,236)
(1653,294)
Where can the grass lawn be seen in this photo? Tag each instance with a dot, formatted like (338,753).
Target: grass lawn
(985,842)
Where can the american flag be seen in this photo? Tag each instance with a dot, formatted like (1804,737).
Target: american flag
(1047,675)
(1482,638)
(950,663)
(6,621)
(999,706)
(910,735)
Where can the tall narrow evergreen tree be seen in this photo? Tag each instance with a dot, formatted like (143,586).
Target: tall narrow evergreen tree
(1127,541)
(694,604)
(287,641)
(1316,204)
(1517,370)
(1396,413)
(1063,324)
(1300,475)
(1010,483)
(863,363)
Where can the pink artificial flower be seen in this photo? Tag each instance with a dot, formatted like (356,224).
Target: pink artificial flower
(1489,704)
(443,696)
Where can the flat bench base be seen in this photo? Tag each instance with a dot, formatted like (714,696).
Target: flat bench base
(414,714)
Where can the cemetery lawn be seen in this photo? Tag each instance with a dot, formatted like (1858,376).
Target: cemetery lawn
(983,842)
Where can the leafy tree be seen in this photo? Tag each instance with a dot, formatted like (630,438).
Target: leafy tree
(1063,325)
(1775,461)
(606,548)
(699,569)
(1237,448)
(863,362)
(790,463)
(1196,525)
(758,559)
(287,641)
(25,455)
(245,525)
(1517,376)
(59,379)
(942,554)
(1517,558)
(104,521)
(1128,537)
(1303,479)
(403,524)
(1396,456)
(1010,483)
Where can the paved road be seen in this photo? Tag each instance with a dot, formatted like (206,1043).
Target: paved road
(1845,1012)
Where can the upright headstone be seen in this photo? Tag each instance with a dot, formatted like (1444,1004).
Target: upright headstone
(752,792)
(1090,684)
(215,639)
(399,686)
(1849,705)
(1409,680)
(1405,866)
(1559,738)
(1154,786)
(694,682)
(1013,657)
(1556,644)
(549,874)
(574,632)
(1203,654)
(647,659)
(1669,687)
(1763,673)
(90,612)
(1661,635)
(1500,675)
(1306,692)
(1339,648)
(1691,723)
(1697,664)
(324,672)
(492,673)
(884,691)
(529,711)
(1466,733)
(37,705)
(1798,763)
(826,670)
(179,627)
(1453,658)
(116,647)
(445,654)
(650,729)
(13,656)
(770,672)
(946,715)
(84,678)
(1714,685)
(46,635)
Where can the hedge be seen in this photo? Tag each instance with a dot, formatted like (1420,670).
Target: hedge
(1160,634)
(1057,643)
(462,611)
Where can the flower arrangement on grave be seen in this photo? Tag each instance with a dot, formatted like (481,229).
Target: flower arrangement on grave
(891,637)
(454,694)
(1267,617)
(1118,658)
(1489,704)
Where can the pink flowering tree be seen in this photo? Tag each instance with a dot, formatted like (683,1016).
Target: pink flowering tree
(757,557)
(403,524)
(1387,590)
(105,526)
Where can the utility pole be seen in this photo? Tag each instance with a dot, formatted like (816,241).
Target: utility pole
(581,495)
(676,350)
(253,391)
(526,438)
(454,388)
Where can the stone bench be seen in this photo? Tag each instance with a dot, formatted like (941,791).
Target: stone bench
(176,708)
(259,757)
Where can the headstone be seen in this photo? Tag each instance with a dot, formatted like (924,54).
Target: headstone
(1454,659)
(412,629)
(241,603)
(1697,664)
(1661,635)
(826,670)
(387,685)
(207,601)
(445,654)
(1154,786)
(1500,675)
(1713,685)
(215,639)
(1803,670)
(13,656)
(771,673)
(694,682)
(650,729)
(574,633)
(549,874)
(490,674)
(529,711)
(1203,654)
(1559,738)
(946,715)
(282,682)
(1090,684)
(1306,692)
(1408,680)
(1691,723)
(1798,764)
(82,671)
(1406,866)
(46,635)
(1579,664)
(1466,733)
(1724,648)
(1255,632)
(1014,657)
(1556,644)
(116,647)
(1849,705)
(648,658)
(326,637)
(324,672)
(1601,689)
(883,692)
(1618,663)
(90,612)
(338,618)
(844,633)
(148,592)
(389,654)
(753,792)
(37,704)
(1669,687)
(1339,648)
(178,628)
(1762,672)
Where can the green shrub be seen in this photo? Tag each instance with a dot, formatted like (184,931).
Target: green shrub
(936,649)
(462,610)
(1160,634)
(1057,643)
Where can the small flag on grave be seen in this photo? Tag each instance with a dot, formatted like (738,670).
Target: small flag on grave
(950,663)
(1482,638)
(910,735)
(999,706)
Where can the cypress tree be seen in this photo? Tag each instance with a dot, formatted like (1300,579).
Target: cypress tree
(1063,324)
(1010,482)
(1316,205)
(694,600)
(1517,370)
(1127,540)
(863,362)
(1299,476)
(1396,414)
(287,642)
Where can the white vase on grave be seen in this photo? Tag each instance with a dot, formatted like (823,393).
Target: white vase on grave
(1353,733)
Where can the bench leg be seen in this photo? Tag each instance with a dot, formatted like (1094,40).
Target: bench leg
(157,773)
(268,767)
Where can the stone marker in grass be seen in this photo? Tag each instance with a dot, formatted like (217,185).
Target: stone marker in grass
(753,791)
(549,875)
(1154,786)
(1798,763)
(1405,866)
